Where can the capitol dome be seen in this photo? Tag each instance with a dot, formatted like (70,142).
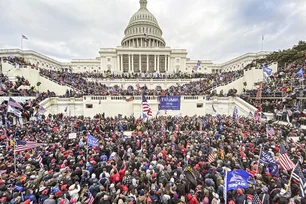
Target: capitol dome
(143,29)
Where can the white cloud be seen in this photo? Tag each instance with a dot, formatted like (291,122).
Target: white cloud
(217,30)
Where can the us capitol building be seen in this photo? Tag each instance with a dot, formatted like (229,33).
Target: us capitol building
(142,50)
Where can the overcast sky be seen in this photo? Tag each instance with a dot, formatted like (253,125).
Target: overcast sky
(209,29)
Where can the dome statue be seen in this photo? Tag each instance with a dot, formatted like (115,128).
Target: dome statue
(143,29)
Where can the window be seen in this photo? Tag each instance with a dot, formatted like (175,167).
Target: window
(199,105)
(177,60)
(84,67)
(108,59)
(89,105)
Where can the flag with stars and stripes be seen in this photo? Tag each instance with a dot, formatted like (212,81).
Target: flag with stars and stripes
(256,199)
(145,106)
(211,156)
(284,160)
(22,145)
(39,159)
(298,175)
(91,199)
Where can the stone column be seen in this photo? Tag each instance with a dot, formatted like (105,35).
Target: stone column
(165,63)
(132,63)
(129,62)
(121,63)
(139,62)
(118,63)
(158,64)
(147,63)
(140,42)
(154,63)
(168,63)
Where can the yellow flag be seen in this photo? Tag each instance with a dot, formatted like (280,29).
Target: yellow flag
(12,142)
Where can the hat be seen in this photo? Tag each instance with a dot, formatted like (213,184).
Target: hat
(27,201)
(105,197)
(215,195)
(141,192)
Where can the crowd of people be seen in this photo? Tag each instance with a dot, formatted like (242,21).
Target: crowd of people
(83,86)
(164,159)
(8,87)
(280,92)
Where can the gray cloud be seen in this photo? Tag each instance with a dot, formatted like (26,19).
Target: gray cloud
(217,30)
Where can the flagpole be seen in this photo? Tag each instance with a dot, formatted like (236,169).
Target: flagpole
(259,157)
(141,104)
(262,42)
(21,41)
(15,151)
(289,183)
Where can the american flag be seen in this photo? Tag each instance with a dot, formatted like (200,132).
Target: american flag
(41,109)
(24,37)
(284,160)
(13,103)
(22,145)
(146,37)
(211,156)
(145,106)
(270,131)
(91,199)
(289,112)
(297,174)
(256,200)
(39,159)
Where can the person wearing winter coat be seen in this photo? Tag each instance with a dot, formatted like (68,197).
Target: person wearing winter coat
(240,199)
(74,191)
(50,200)
(191,198)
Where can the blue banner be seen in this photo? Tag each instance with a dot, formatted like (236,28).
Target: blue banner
(170,103)
(268,160)
(236,179)
(92,141)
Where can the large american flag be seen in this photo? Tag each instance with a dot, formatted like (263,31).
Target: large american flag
(145,106)
(284,160)
(39,159)
(13,103)
(22,145)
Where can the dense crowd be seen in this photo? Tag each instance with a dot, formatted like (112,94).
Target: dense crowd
(81,84)
(280,92)
(8,87)
(148,164)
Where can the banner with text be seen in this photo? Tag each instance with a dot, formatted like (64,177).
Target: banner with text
(170,103)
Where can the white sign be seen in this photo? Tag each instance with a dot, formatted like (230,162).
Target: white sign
(72,135)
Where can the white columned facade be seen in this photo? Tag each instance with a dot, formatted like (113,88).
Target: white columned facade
(132,63)
(129,63)
(165,63)
(121,63)
(168,63)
